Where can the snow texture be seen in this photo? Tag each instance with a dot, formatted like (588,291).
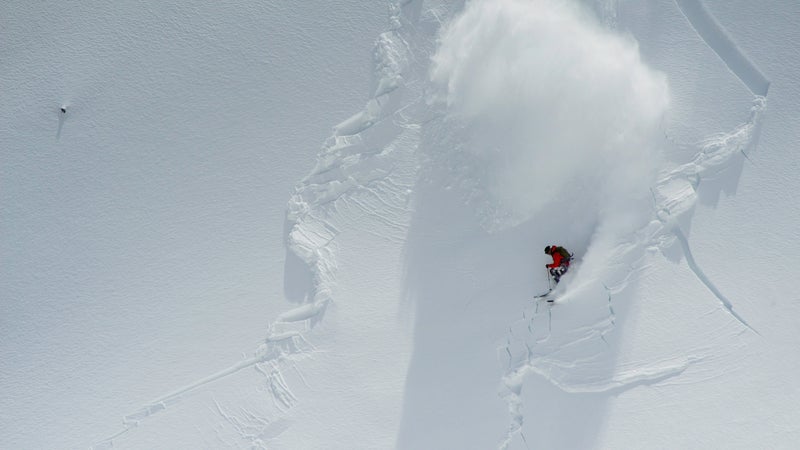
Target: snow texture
(320,226)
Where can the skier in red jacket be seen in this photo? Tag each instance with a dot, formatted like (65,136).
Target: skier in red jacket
(560,264)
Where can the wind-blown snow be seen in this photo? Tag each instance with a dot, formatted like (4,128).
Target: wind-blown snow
(560,110)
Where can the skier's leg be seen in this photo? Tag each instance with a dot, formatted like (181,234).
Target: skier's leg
(558,272)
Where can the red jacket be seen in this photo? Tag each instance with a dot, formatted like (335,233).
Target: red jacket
(559,257)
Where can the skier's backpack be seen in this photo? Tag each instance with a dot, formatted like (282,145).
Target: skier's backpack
(565,254)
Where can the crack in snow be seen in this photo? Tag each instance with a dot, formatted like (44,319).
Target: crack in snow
(687,253)
(715,36)
(675,195)
(346,166)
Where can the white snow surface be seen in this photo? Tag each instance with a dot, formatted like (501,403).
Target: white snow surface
(319,225)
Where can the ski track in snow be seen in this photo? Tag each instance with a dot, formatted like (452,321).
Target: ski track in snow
(572,358)
(351,173)
(532,347)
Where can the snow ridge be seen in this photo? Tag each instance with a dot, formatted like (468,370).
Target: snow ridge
(351,178)
(676,193)
(348,164)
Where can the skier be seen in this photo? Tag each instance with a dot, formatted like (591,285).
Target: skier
(560,264)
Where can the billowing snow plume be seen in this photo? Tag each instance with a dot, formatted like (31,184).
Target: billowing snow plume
(557,110)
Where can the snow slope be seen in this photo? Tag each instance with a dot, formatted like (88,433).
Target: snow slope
(173,285)
(143,242)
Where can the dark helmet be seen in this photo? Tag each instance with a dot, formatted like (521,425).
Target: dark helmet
(547,249)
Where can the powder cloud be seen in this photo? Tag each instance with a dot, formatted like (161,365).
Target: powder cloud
(557,108)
